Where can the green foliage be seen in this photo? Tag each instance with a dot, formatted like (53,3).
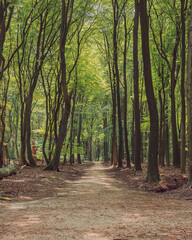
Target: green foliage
(87,71)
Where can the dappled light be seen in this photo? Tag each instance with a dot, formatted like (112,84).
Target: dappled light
(95,120)
(27,221)
(99,207)
(133,217)
(95,236)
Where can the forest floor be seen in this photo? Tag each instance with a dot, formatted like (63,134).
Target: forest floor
(94,201)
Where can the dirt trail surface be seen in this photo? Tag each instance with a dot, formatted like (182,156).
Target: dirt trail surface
(97,207)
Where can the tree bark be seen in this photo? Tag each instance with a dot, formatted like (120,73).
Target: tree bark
(67,11)
(114,137)
(152,170)
(137,132)
(79,131)
(189,95)
(71,130)
(28,129)
(182,151)
(105,138)
(161,132)
(115,49)
(125,95)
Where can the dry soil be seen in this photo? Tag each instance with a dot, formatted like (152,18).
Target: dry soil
(97,206)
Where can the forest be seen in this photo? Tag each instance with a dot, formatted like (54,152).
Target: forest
(96,80)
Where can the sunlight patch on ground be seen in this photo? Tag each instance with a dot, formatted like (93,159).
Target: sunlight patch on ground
(60,189)
(25,198)
(28,220)
(94,236)
(133,217)
(16,207)
(14,181)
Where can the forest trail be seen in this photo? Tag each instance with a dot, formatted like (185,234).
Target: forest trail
(97,207)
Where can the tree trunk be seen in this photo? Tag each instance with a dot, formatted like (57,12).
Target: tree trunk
(189,95)
(152,171)
(161,132)
(105,138)
(115,49)
(114,138)
(67,12)
(137,132)
(79,135)
(71,130)
(54,164)
(125,95)
(27,120)
(22,160)
(90,149)
(2,149)
(175,143)
(176,156)
(182,151)
(79,138)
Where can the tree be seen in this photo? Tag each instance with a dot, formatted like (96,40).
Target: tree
(117,12)
(183,49)
(137,132)
(189,94)
(125,94)
(152,171)
(68,19)
(28,72)
(169,53)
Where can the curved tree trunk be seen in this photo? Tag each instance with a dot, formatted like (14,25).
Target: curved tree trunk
(54,164)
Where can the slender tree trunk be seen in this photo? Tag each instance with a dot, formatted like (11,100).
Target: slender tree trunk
(114,138)
(79,138)
(115,48)
(152,171)
(27,120)
(176,156)
(2,149)
(16,134)
(71,130)
(137,132)
(105,138)
(182,151)
(79,133)
(125,96)
(90,140)
(67,11)
(54,164)
(189,96)
(161,131)
(23,137)
(175,143)
(90,149)
(5,19)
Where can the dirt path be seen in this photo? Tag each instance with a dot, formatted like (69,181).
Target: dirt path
(97,207)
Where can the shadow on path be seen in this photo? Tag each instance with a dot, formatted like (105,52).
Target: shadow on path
(97,207)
